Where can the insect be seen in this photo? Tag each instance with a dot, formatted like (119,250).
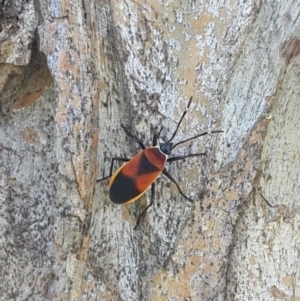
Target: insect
(138,174)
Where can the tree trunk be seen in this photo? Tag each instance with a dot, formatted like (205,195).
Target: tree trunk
(72,72)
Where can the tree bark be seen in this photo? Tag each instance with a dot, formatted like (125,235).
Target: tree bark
(72,72)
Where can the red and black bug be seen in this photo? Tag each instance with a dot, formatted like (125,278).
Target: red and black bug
(136,176)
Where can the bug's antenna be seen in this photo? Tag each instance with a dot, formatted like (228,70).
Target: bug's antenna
(178,125)
(203,134)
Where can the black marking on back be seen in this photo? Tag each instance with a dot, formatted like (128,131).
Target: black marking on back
(146,166)
(122,189)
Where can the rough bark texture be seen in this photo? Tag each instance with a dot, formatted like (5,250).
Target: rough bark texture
(69,68)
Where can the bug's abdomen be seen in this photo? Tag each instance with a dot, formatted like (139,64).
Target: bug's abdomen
(134,178)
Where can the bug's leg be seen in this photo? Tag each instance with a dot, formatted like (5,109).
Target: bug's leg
(154,141)
(174,181)
(151,203)
(172,159)
(141,144)
(111,166)
(156,136)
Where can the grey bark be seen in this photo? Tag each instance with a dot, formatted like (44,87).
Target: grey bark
(73,71)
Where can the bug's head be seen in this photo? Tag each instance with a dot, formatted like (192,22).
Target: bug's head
(166,148)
